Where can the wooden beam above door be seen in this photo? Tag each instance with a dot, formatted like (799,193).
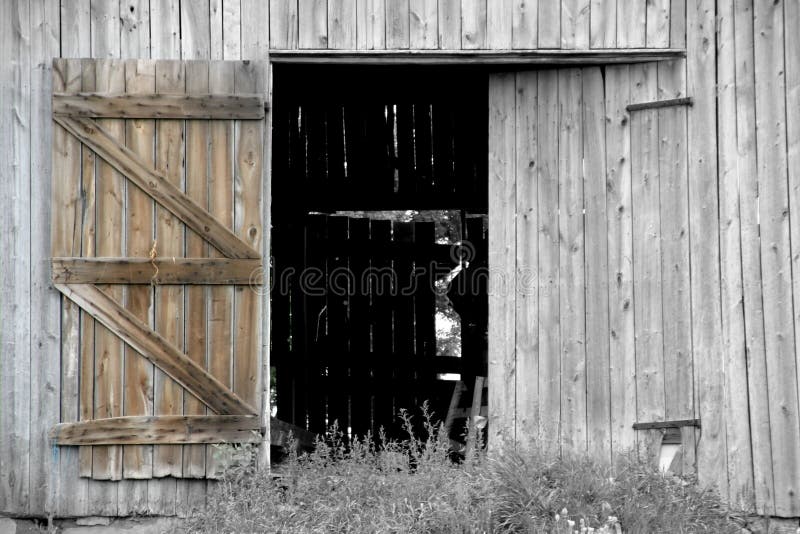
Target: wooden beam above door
(476,57)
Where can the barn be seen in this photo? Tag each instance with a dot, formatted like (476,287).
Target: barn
(626,173)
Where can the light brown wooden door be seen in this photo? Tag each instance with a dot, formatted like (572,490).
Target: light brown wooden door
(156,244)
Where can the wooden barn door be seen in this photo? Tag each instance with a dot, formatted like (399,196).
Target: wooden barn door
(157,240)
(590,335)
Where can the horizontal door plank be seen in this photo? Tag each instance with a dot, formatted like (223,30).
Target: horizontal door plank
(162,271)
(155,348)
(280,433)
(162,429)
(156,185)
(158,106)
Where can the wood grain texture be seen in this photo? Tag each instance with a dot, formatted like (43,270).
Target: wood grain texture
(473,24)
(572,299)
(704,239)
(397,24)
(502,293)
(134,16)
(658,24)
(156,349)
(603,24)
(525,24)
(575,24)
(342,24)
(170,237)
(371,24)
(647,243)
(740,466)
(283,24)
(598,336)
(758,396)
(197,180)
(449,24)
(158,106)
(549,272)
(549,24)
(620,260)
(138,210)
(631,24)
(499,24)
(108,374)
(792,79)
(248,226)
(160,429)
(313,23)
(160,271)
(775,201)
(527,259)
(154,184)
(195,30)
(423,24)
(165,30)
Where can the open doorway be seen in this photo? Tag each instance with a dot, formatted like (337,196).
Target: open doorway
(379,225)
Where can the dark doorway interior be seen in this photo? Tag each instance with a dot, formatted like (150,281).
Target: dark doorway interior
(379,202)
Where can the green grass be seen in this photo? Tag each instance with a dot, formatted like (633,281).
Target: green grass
(414,486)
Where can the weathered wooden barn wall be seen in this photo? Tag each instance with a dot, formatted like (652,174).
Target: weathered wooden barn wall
(656,269)
(739,289)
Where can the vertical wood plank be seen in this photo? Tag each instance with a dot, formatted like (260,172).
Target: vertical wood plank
(525,24)
(140,77)
(342,24)
(107,461)
(66,212)
(423,21)
(751,258)
(527,260)
(598,365)
(499,24)
(134,16)
(216,30)
(657,25)
(231,29)
(248,225)
(283,24)
(775,202)
(449,24)
(220,194)
(603,30)
(75,18)
(791,25)
(169,309)
(704,251)
(255,40)
(397,24)
(549,272)
(740,466)
(473,24)
(572,306)
(575,24)
(197,177)
(104,29)
(371,24)
(88,248)
(45,331)
(631,24)
(502,292)
(549,24)
(647,279)
(677,24)
(313,18)
(195,30)
(165,29)
(620,259)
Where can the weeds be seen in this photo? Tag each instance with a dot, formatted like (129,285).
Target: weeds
(414,485)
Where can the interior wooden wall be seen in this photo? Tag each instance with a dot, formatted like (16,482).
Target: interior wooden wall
(658,279)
